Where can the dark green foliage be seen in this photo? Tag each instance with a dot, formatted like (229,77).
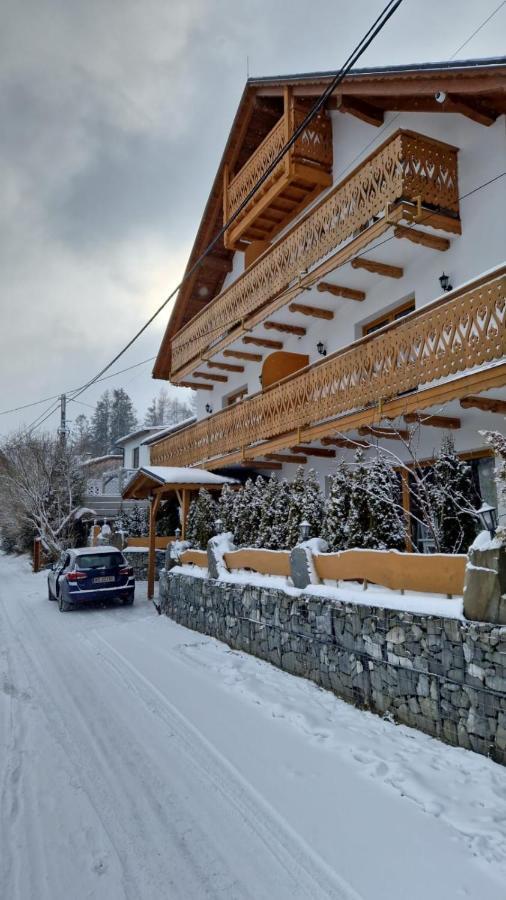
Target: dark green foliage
(201,519)
(306,504)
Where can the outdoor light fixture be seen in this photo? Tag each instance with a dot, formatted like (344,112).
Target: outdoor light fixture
(209,408)
(218,526)
(177,533)
(304,529)
(488,516)
(322,350)
(440,96)
(444,281)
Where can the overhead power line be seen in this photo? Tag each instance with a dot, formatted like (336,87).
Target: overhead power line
(352,59)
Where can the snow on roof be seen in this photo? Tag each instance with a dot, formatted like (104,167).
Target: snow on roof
(133,434)
(182,475)
(164,430)
(100,459)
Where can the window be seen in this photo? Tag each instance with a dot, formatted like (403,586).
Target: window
(136,458)
(397,313)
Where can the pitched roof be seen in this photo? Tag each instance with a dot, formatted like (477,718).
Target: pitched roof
(259,109)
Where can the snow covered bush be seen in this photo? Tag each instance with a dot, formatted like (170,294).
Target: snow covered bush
(201,518)
(450,499)
(273,526)
(306,504)
(135,520)
(337,509)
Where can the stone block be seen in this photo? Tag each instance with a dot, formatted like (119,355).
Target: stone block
(485,584)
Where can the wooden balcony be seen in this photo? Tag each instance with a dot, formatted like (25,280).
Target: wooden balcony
(407,168)
(297,179)
(453,335)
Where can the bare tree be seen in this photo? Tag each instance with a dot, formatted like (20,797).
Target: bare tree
(40,488)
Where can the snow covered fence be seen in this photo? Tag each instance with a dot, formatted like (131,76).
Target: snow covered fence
(444,676)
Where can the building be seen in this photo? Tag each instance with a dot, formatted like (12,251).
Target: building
(362,288)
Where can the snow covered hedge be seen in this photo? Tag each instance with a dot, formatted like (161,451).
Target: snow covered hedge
(363,509)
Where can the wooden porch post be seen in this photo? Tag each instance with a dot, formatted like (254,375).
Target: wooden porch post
(153,509)
(185,508)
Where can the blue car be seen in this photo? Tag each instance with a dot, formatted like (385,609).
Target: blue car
(90,574)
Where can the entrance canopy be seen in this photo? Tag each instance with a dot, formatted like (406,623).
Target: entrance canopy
(156,480)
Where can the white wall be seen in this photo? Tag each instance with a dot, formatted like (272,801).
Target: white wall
(129,447)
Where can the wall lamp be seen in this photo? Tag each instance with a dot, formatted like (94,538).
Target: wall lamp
(488,518)
(444,281)
(322,350)
(208,408)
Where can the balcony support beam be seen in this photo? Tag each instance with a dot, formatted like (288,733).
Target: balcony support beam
(323,452)
(288,458)
(339,290)
(241,354)
(210,376)
(316,311)
(379,268)
(389,434)
(263,342)
(421,418)
(196,385)
(433,241)
(486,404)
(285,328)
(361,109)
(226,367)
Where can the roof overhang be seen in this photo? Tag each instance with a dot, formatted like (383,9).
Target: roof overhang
(149,481)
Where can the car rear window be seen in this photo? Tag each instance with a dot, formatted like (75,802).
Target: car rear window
(100,560)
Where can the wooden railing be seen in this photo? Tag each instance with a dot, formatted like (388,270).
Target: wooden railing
(194,558)
(266,562)
(449,336)
(407,166)
(313,146)
(433,573)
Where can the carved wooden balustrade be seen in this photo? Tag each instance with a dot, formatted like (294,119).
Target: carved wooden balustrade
(313,147)
(407,166)
(449,336)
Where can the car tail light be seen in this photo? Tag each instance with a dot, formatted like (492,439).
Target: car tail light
(126,570)
(75,576)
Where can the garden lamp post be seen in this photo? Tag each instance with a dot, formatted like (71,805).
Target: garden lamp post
(304,529)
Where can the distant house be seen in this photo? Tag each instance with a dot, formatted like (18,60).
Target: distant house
(108,476)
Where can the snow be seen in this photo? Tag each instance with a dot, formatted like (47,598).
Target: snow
(182,475)
(141,759)
(484,541)
(163,431)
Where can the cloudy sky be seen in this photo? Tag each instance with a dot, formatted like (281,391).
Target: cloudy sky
(114,114)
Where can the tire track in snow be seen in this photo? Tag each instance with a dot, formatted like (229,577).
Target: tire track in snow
(278,836)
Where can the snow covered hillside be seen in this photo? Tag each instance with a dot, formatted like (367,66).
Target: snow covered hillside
(142,760)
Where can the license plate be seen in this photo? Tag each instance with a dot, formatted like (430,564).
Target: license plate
(104,579)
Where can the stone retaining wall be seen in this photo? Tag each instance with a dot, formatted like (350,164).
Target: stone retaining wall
(138,559)
(446,677)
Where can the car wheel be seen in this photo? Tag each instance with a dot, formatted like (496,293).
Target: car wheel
(63,606)
(129,601)
(49,594)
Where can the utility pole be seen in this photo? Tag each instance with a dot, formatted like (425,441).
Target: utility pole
(62,431)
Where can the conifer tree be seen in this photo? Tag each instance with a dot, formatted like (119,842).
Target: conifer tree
(249,511)
(100,426)
(453,497)
(228,506)
(386,526)
(306,504)
(337,509)
(273,525)
(201,518)
(359,519)
(122,416)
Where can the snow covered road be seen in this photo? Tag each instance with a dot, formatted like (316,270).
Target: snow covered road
(142,760)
